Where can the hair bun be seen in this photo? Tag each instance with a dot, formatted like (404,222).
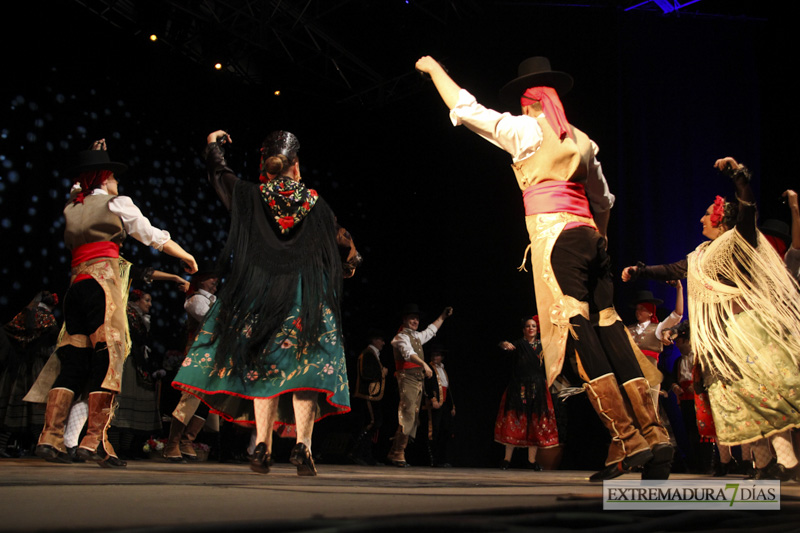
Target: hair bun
(275,164)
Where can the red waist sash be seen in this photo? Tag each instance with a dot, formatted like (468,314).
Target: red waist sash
(651,353)
(556,197)
(405,365)
(92,250)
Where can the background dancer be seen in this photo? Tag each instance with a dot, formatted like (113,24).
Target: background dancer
(744,311)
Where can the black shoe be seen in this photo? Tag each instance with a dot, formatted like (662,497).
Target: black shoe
(722,469)
(51,454)
(660,465)
(775,470)
(612,471)
(615,470)
(505,465)
(100,457)
(442,465)
(261,459)
(534,466)
(73,455)
(301,458)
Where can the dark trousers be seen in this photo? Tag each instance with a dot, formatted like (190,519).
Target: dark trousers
(84,312)
(443,424)
(582,268)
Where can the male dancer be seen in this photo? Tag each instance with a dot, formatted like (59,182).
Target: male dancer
(567,205)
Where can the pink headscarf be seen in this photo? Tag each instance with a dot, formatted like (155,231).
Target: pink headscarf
(552,107)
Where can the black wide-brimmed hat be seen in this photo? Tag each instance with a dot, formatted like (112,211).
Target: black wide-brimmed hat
(535,72)
(645,297)
(93,160)
(410,309)
(776,228)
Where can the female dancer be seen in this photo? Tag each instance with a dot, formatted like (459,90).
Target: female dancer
(744,310)
(273,334)
(526,418)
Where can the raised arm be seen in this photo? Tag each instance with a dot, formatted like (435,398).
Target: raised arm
(220,176)
(448,89)
(746,219)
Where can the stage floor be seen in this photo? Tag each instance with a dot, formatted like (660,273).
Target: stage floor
(157,496)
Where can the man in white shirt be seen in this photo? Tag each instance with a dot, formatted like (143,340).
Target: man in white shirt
(567,205)
(411,371)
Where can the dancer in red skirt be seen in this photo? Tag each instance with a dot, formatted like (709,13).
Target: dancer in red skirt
(526,418)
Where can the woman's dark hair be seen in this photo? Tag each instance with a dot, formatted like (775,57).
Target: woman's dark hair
(275,164)
(731,214)
(278,153)
(524,320)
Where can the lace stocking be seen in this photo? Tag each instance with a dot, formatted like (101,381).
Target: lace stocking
(762,455)
(305,410)
(782,442)
(77,419)
(266,413)
(724,453)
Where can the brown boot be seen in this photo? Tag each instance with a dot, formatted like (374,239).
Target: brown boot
(172,450)
(646,415)
(628,448)
(95,445)
(397,454)
(51,441)
(189,434)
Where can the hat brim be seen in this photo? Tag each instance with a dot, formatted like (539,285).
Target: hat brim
(513,90)
(654,301)
(116,168)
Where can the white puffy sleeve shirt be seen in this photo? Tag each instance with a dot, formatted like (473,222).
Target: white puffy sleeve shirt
(135,223)
(521,137)
(403,345)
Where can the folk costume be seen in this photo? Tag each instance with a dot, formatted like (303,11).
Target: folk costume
(273,332)
(190,414)
(32,335)
(562,185)
(410,375)
(746,344)
(440,406)
(526,416)
(93,343)
(138,415)
(369,390)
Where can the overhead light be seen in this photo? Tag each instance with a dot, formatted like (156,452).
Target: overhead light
(218,66)
(153,37)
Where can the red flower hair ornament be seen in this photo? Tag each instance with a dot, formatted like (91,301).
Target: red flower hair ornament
(718,211)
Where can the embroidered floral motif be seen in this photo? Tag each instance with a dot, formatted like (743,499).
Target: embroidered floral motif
(288,201)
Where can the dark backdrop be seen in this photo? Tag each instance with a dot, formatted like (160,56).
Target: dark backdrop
(434,210)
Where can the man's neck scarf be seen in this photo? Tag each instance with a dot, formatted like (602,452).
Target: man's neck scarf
(89,181)
(552,108)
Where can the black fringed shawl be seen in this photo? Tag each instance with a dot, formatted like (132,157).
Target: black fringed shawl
(261,270)
(527,385)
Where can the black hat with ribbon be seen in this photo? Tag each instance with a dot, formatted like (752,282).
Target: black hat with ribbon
(535,72)
(645,297)
(776,228)
(93,160)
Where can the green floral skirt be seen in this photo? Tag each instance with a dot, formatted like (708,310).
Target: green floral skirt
(287,369)
(749,409)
